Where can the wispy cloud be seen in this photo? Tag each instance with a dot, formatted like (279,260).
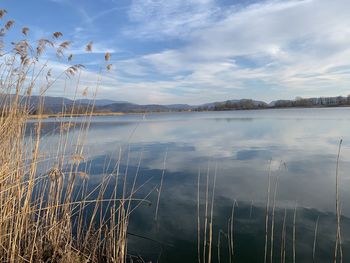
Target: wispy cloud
(158,19)
(196,51)
(292,45)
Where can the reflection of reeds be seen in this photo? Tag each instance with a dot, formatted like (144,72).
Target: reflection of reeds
(219,243)
(251,209)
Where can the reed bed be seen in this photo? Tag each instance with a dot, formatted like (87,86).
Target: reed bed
(280,239)
(46,211)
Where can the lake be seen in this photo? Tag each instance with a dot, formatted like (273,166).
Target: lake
(236,149)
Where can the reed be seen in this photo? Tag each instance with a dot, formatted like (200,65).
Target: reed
(283,238)
(206,217)
(273,219)
(206,252)
(267,211)
(211,217)
(294,232)
(338,241)
(198,218)
(315,239)
(231,232)
(161,185)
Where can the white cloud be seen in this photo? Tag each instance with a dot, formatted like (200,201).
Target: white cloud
(159,19)
(293,45)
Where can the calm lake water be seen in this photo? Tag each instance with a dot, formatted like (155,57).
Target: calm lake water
(299,145)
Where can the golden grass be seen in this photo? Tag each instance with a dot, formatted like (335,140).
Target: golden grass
(43,208)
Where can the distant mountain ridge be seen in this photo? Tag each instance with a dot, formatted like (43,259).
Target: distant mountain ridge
(56,105)
(99,102)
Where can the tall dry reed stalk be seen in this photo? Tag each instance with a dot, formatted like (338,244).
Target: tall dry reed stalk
(273,219)
(338,240)
(211,217)
(283,238)
(267,211)
(231,233)
(161,185)
(294,232)
(315,239)
(198,218)
(205,252)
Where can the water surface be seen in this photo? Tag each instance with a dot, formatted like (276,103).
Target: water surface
(298,146)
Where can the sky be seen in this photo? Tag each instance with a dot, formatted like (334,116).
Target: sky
(197,51)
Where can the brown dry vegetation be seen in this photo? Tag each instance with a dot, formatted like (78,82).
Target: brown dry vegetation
(42,219)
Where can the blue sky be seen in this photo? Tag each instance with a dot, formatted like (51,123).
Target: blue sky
(197,51)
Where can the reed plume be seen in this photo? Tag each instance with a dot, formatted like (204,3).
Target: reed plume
(88,47)
(25,31)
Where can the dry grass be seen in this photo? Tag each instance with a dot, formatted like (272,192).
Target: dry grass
(43,208)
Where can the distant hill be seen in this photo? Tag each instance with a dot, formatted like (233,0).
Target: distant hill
(130,107)
(234,105)
(180,107)
(312,102)
(59,104)
(98,102)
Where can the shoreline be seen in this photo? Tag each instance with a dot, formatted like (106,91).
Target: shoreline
(59,115)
